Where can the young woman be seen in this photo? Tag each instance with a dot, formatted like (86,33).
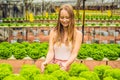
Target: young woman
(65,40)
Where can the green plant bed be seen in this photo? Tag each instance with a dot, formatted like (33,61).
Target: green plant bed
(53,72)
(37,50)
(99,51)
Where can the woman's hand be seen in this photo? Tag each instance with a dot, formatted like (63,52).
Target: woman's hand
(64,66)
(43,66)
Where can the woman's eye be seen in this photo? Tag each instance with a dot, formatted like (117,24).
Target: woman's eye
(67,17)
(64,17)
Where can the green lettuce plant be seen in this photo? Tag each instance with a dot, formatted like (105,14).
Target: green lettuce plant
(100,70)
(76,78)
(29,71)
(44,49)
(44,77)
(4,52)
(20,53)
(14,77)
(82,54)
(26,44)
(5,70)
(111,55)
(97,55)
(89,75)
(84,51)
(34,54)
(109,78)
(34,51)
(60,75)
(6,65)
(6,44)
(76,69)
(115,73)
(50,68)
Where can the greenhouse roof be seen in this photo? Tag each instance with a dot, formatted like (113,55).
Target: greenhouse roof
(73,2)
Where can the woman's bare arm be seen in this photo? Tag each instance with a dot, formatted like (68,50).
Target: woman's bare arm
(50,54)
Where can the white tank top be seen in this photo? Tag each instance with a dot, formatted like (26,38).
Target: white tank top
(62,52)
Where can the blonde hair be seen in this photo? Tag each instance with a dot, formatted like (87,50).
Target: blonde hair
(70,29)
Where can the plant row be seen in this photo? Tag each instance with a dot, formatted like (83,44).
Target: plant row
(37,50)
(55,16)
(99,51)
(22,50)
(100,24)
(76,71)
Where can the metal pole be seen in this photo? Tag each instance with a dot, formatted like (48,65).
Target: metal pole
(83,21)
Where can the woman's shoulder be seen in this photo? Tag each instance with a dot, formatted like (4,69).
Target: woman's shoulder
(78,35)
(52,32)
(78,32)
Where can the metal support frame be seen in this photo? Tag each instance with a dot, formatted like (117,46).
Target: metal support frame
(83,20)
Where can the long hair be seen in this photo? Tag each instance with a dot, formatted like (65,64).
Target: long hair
(59,29)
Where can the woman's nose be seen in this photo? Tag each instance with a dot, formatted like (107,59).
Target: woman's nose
(64,19)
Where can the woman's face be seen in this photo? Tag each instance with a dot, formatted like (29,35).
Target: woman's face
(64,18)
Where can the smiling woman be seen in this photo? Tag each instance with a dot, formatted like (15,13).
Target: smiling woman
(65,40)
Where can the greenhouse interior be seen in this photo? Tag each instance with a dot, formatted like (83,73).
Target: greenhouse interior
(25,26)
